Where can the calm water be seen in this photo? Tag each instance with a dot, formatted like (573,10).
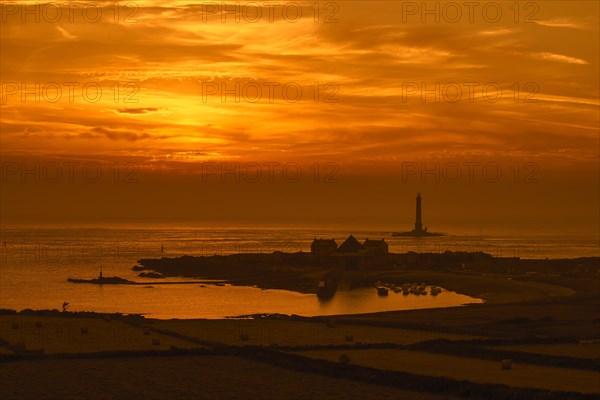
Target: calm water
(37,261)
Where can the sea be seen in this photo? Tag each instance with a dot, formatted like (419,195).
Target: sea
(36,261)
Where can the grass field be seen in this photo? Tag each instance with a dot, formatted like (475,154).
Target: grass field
(549,318)
(577,350)
(64,335)
(192,377)
(474,370)
(295,333)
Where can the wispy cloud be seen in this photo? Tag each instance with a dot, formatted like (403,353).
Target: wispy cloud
(560,58)
(66,33)
(496,32)
(136,110)
(561,23)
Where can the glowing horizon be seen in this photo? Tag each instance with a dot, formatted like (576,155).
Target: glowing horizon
(392,89)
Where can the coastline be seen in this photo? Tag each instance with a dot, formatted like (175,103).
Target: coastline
(550,334)
(495,280)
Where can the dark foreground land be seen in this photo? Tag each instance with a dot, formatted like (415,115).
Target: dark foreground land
(546,323)
(189,377)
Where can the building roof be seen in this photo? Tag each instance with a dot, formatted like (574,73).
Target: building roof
(374,243)
(350,245)
(324,241)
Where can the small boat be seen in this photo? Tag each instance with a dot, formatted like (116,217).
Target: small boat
(328,286)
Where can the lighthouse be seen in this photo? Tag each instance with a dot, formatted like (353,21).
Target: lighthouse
(418,231)
(418,221)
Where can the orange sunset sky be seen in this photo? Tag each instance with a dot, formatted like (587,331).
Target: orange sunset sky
(368,129)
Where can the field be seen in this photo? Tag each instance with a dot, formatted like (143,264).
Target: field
(191,377)
(287,332)
(66,335)
(578,350)
(550,332)
(564,317)
(462,368)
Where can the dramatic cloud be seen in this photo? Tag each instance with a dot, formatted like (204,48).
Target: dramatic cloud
(269,83)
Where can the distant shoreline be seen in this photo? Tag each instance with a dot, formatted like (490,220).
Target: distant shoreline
(460,272)
(571,286)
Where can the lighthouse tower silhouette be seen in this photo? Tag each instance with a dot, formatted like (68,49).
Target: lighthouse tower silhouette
(419,230)
(418,221)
